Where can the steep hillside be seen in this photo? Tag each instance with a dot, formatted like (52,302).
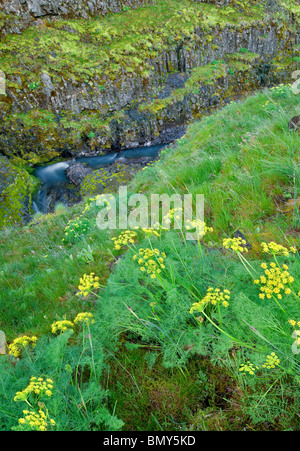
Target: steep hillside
(168,356)
(142,328)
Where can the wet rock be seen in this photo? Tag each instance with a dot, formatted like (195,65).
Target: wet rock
(77,172)
(294,123)
(170,134)
(239,234)
(134,161)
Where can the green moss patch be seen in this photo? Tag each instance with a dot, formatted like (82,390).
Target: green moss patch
(15,196)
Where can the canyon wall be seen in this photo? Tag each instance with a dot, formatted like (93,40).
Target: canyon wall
(79,81)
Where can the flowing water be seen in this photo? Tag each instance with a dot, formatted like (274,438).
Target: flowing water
(54,181)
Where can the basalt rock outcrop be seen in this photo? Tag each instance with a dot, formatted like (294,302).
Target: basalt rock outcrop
(17,15)
(76,86)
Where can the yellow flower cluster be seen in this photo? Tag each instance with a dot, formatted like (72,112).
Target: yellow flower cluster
(248,368)
(37,387)
(236,244)
(76,227)
(277,249)
(35,421)
(200,226)
(267,104)
(86,318)
(213,297)
(16,347)
(61,326)
(274,281)
(64,325)
(271,361)
(125,238)
(151,231)
(279,88)
(87,284)
(104,198)
(150,261)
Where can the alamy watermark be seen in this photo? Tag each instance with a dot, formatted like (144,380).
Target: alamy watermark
(2,83)
(185,213)
(295,345)
(296,84)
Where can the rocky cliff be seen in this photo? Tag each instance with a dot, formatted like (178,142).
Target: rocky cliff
(78,83)
(17,15)
(104,84)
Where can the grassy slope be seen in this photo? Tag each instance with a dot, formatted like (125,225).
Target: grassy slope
(39,279)
(244,159)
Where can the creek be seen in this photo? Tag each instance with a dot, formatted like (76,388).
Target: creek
(55,185)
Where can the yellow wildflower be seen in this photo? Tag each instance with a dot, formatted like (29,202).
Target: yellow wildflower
(35,387)
(61,326)
(274,281)
(248,368)
(35,421)
(277,249)
(151,231)
(125,238)
(271,361)
(200,226)
(87,284)
(151,261)
(235,244)
(213,297)
(86,318)
(16,347)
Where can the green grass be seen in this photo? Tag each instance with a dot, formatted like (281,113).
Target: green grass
(40,275)
(244,160)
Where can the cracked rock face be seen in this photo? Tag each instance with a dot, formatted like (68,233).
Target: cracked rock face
(23,13)
(79,8)
(36,8)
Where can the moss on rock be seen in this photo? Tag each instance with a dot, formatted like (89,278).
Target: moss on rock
(16,188)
